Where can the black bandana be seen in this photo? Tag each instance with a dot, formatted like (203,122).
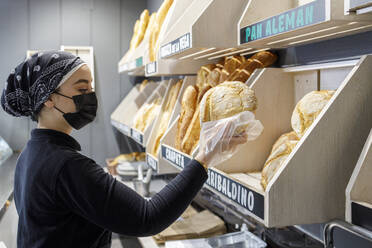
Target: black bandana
(32,82)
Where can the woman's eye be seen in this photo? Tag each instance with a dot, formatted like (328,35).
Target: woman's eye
(83,90)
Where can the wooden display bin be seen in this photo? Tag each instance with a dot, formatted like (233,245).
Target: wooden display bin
(122,116)
(205,26)
(358,191)
(300,22)
(156,162)
(310,186)
(142,137)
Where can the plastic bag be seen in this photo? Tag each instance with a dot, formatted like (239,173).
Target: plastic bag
(5,151)
(219,140)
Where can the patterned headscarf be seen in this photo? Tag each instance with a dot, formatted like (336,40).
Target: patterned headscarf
(32,82)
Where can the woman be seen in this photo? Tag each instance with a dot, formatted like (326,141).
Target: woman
(63,198)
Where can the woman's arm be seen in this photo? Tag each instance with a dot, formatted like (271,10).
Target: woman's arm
(87,190)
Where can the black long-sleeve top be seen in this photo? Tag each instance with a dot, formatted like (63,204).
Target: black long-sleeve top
(65,199)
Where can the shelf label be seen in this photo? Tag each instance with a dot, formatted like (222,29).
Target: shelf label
(361,215)
(152,162)
(137,136)
(151,68)
(175,157)
(245,197)
(139,62)
(176,46)
(302,16)
(121,127)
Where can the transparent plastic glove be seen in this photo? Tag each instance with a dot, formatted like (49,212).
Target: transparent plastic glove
(219,140)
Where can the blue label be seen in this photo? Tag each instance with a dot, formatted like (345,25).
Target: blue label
(245,197)
(176,46)
(152,162)
(137,136)
(299,17)
(139,62)
(176,158)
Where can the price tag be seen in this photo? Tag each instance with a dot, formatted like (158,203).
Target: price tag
(245,197)
(137,136)
(302,16)
(151,68)
(176,46)
(175,157)
(152,162)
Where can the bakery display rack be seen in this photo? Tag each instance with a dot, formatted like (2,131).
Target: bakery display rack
(318,166)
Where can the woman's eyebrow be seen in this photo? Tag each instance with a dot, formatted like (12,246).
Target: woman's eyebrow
(82,81)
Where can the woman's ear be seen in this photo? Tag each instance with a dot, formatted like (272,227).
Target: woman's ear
(49,103)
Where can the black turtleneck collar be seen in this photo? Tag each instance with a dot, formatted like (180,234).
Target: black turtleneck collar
(56,137)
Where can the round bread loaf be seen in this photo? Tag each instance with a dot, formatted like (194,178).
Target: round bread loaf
(308,108)
(225,100)
(279,153)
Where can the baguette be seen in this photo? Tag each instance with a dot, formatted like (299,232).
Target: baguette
(188,106)
(192,133)
(267,58)
(251,64)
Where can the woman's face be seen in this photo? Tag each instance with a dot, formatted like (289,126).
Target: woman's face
(79,83)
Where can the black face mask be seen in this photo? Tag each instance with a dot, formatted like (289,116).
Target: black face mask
(86,109)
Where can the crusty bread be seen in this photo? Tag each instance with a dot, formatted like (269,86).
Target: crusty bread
(166,115)
(214,77)
(308,108)
(251,64)
(146,114)
(144,21)
(279,153)
(267,58)
(192,134)
(188,106)
(232,64)
(226,100)
(154,38)
(202,76)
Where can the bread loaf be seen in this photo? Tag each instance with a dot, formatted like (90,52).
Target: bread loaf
(308,108)
(251,64)
(166,115)
(146,114)
(214,77)
(192,134)
(226,100)
(154,38)
(265,57)
(232,64)
(142,25)
(279,153)
(188,106)
(202,76)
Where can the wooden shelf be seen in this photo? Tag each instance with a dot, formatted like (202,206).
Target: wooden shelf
(137,135)
(358,191)
(314,21)
(310,186)
(205,26)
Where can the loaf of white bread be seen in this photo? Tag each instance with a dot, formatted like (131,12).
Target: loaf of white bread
(308,108)
(146,114)
(226,100)
(304,114)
